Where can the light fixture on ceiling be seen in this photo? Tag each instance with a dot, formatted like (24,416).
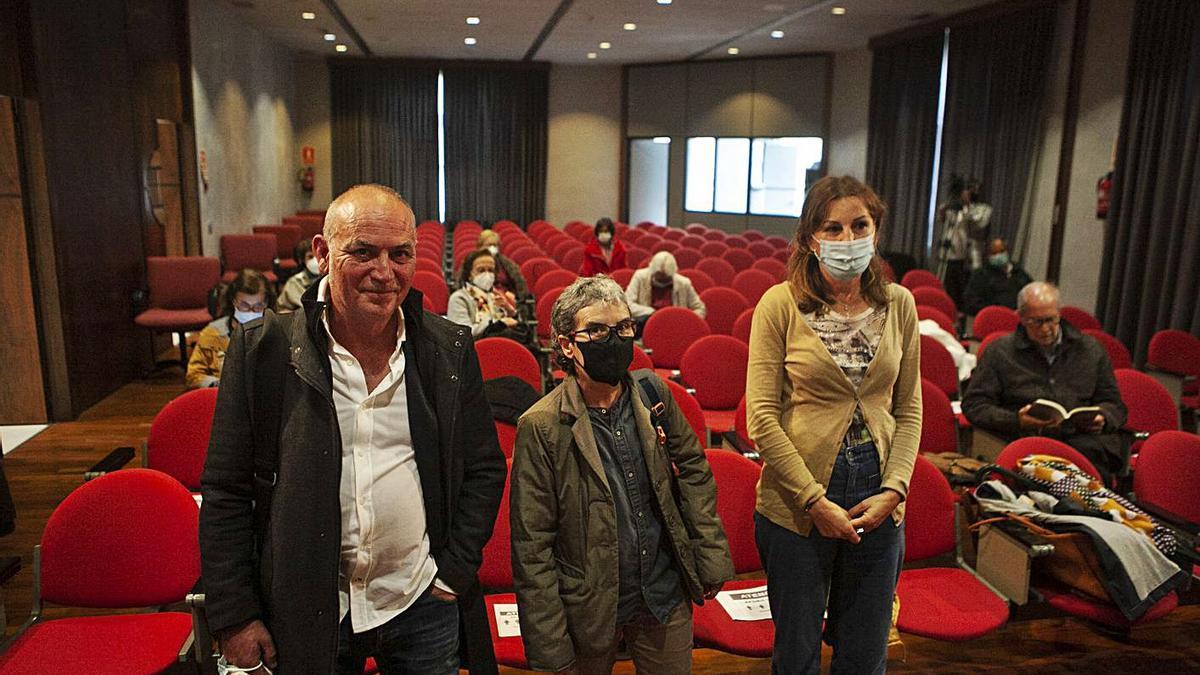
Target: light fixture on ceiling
(472,21)
(838,11)
(341,49)
(591,55)
(776,34)
(470,42)
(330,37)
(630,26)
(605,45)
(733,51)
(662,140)
(308,16)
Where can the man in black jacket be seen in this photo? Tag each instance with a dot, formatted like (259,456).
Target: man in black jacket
(351,480)
(997,282)
(1050,359)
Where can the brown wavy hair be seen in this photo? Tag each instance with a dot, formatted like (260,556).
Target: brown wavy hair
(804,269)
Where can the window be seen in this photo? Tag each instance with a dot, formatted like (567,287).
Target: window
(761,176)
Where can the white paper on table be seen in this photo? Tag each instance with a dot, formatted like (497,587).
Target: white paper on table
(507,624)
(198,497)
(748,604)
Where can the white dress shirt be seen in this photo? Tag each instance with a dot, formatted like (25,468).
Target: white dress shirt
(385,561)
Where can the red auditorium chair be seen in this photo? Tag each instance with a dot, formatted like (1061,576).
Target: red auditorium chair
(752,283)
(433,287)
(534,268)
(737,241)
(310,226)
(753,235)
(715,367)
(700,280)
(636,257)
(561,249)
(669,332)
(987,341)
(506,435)
(687,257)
(1118,354)
(771,266)
(523,254)
(286,238)
(724,306)
(1040,445)
(1174,359)
(178,440)
(1080,318)
(541,311)
(496,577)
(691,410)
(736,478)
(719,270)
(760,249)
(936,298)
(697,229)
(429,265)
(692,241)
(783,255)
(632,237)
(741,326)
(714,235)
(664,245)
(738,258)
(128,539)
(499,356)
(1168,474)
(673,234)
(622,276)
(319,213)
(943,603)
(1151,408)
(777,241)
(713,249)
(944,322)
(248,251)
(938,366)
(640,360)
(917,278)
(178,296)
(573,259)
(939,431)
(553,279)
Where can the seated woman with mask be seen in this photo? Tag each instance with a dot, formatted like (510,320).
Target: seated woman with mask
(479,304)
(244,300)
(659,285)
(293,290)
(508,273)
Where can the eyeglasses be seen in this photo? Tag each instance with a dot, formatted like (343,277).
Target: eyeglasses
(602,332)
(1038,323)
(247,307)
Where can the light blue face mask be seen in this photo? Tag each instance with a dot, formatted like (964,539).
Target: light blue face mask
(999,259)
(246,317)
(846,260)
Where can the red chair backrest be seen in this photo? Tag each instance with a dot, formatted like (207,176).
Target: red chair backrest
(936,298)
(178,282)
(939,432)
(741,327)
(433,287)
(248,251)
(700,280)
(715,366)
(994,319)
(1118,354)
(737,480)
(783,255)
(760,249)
(722,272)
(534,268)
(713,249)
(687,257)
(752,283)
(697,229)
(506,435)
(770,265)
(636,257)
(673,234)
(692,241)
(553,279)
(622,276)
(737,241)
(669,332)
(932,313)
(1151,407)
(178,440)
(664,245)
(129,538)
(495,574)
(928,513)
(938,366)
(1080,318)
(499,356)
(541,311)
(714,235)
(310,226)
(286,238)
(640,360)
(723,305)
(1175,351)
(691,410)
(777,241)
(1040,445)
(573,259)
(739,258)
(753,235)
(917,278)
(1168,474)
(992,337)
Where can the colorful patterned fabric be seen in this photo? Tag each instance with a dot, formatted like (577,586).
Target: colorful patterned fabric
(851,342)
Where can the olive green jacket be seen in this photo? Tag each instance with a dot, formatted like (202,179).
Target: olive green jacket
(564,529)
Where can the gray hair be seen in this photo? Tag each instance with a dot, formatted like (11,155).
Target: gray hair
(583,292)
(664,262)
(1037,290)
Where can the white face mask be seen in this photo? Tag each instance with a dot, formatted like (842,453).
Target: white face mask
(493,249)
(246,317)
(484,280)
(604,237)
(846,260)
(313,267)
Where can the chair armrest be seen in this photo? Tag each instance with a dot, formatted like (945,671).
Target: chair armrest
(739,446)
(111,462)
(202,639)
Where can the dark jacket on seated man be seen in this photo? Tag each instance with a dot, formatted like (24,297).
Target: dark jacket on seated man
(992,285)
(1014,371)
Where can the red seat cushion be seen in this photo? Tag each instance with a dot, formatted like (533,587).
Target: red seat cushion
(124,643)
(714,629)
(510,651)
(947,603)
(720,421)
(173,319)
(1103,612)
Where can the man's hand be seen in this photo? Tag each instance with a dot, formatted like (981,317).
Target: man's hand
(1096,425)
(1030,422)
(832,521)
(247,644)
(444,596)
(711,590)
(870,512)
(508,321)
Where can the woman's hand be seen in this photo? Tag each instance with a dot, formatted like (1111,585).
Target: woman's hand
(833,521)
(872,511)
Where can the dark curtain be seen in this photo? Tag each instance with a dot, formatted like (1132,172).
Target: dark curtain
(997,75)
(1150,274)
(495,121)
(901,136)
(385,130)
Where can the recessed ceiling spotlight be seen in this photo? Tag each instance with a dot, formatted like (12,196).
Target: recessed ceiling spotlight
(472,21)
(838,11)
(733,51)
(470,42)
(776,34)
(591,55)
(605,45)
(664,2)
(308,16)
(630,26)
(341,48)
(330,37)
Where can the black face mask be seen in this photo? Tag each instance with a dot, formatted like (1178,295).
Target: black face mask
(607,361)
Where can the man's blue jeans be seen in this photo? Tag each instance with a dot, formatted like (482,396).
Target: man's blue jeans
(859,580)
(421,639)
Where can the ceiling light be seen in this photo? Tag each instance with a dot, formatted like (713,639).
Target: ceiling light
(664,2)
(733,51)
(838,11)
(470,42)
(472,21)
(308,16)
(776,34)
(330,37)
(630,26)
(591,55)
(662,140)
(341,49)
(605,45)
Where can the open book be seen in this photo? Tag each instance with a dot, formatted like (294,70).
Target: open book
(1044,409)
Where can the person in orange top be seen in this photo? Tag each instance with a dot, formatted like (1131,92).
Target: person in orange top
(604,253)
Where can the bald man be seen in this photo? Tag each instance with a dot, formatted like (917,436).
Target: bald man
(1049,358)
(351,481)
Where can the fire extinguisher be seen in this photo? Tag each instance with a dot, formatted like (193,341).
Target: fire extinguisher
(1103,195)
(306,179)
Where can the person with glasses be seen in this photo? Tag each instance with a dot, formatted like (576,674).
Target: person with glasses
(613,514)
(244,300)
(1048,358)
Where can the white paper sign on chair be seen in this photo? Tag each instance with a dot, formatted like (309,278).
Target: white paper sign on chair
(507,624)
(748,604)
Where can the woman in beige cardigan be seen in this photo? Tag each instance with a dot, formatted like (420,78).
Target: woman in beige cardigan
(833,400)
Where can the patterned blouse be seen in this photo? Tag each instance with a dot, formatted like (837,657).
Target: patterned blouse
(851,342)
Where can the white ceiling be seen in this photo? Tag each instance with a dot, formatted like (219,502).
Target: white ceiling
(435,29)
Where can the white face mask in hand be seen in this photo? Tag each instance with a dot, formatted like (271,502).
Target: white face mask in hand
(846,260)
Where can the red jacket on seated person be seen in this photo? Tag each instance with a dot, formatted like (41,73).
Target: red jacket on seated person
(595,263)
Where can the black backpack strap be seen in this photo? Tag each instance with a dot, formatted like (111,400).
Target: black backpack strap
(266,362)
(653,400)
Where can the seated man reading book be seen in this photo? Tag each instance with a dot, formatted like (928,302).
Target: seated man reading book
(1047,360)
